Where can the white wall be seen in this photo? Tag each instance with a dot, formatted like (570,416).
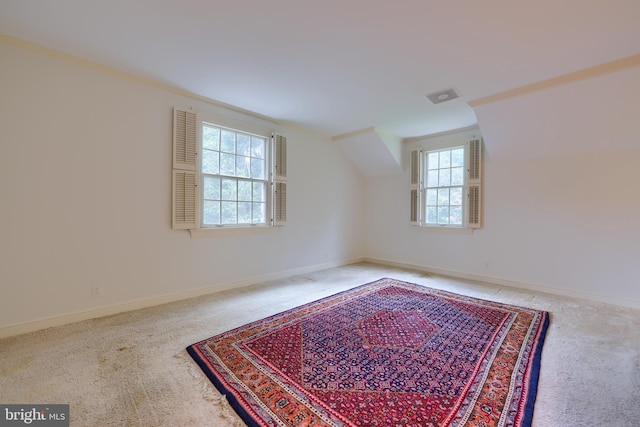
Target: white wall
(562,196)
(85,157)
(85,197)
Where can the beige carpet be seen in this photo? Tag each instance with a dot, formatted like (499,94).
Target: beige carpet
(122,370)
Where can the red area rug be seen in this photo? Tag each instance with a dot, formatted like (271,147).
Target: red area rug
(389,353)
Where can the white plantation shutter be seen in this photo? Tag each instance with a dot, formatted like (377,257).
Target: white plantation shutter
(280,202)
(185,177)
(474,184)
(184,140)
(415,190)
(280,156)
(185,195)
(279,182)
(474,206)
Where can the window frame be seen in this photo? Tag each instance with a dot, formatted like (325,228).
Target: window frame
(268,213)
(425,188)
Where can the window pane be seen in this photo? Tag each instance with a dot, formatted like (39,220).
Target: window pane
(244,212)
(243,144)
(229,189)
(259,213)
(432,197)
(228,141)
(211,188)
(457,157)
(227,164)
(229,213)
(443,215)
(443,196)
(257,168)
(211,212)
(257,147)
(244,191)
(432,161)
(210,162)
(456,215)
(445,159)
(444,177)
(456,196)
(432,215)
(242,166)
(457,176)
(210,138)
(259,192)
(432,178)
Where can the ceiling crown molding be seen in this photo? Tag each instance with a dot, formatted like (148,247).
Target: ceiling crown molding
(587,73)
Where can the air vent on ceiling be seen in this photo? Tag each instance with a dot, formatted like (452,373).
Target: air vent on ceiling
(442,96)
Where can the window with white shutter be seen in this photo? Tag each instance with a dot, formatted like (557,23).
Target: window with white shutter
(446,186)
(226,176)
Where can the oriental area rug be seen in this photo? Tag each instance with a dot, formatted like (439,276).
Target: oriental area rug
(388,353)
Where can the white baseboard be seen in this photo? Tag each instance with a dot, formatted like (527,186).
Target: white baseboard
(178,296)
(163,299)
(608,299)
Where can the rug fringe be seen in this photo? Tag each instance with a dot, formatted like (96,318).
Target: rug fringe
(209,392)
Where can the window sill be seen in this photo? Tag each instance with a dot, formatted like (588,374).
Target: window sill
(446,230)
(200,233)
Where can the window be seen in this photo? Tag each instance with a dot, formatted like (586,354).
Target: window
(239,180)
(445,186)
(444,178)
(234,175)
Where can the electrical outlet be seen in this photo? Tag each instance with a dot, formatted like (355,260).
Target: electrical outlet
(96,290)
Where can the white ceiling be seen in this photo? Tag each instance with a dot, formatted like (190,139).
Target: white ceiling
(337,66)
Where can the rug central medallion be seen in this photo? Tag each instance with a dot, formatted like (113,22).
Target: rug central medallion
(389,353)
(400,329)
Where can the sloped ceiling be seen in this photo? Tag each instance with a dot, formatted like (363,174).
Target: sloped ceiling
(337,67)
(595,114)
(373,151)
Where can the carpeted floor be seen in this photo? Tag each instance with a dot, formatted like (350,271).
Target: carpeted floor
(122,370)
